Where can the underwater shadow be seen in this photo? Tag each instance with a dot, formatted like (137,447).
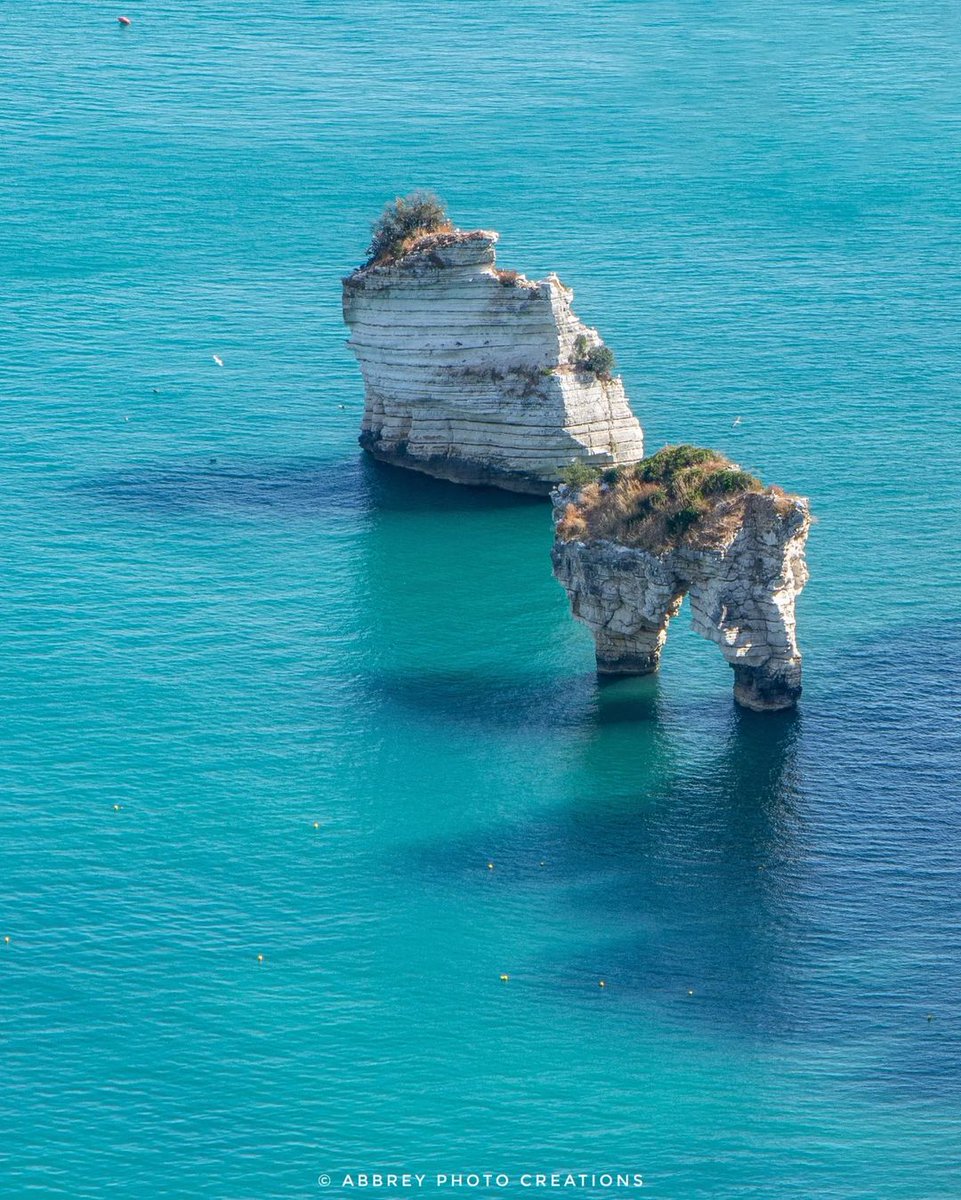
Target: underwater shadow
(398,489)
(504,702)
(696,883)
(694,876)
(216,484)
(306,487)
(799,883)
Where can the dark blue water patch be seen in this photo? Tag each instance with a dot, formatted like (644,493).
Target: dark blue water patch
(692,865)
(799,886)
(397,489)
(303,487)
(486,699)
(627,701)
(216,484)
(522,702)
(883,773)
(921,1064)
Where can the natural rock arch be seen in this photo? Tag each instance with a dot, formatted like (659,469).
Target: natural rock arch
(742,595)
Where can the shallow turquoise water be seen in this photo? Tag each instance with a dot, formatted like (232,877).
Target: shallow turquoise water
(217,616)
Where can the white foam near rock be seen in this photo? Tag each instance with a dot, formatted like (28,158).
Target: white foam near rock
(469,372)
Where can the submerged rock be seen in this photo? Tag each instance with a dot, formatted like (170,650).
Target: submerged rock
(479,375)
(687,522)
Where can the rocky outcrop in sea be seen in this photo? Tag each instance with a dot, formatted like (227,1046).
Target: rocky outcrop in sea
(479,375)
(628,552)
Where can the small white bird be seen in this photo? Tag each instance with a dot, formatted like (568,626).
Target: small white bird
(736,421)
(218,360)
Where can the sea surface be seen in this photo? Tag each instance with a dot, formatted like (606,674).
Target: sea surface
(300,754)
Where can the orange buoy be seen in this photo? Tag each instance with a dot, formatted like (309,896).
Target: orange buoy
(124,20)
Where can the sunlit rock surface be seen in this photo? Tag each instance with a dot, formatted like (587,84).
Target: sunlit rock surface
(470,373)
(742,594)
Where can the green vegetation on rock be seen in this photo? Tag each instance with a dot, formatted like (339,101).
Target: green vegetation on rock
(597,359)
(402,222)
(577,474)
(680,495)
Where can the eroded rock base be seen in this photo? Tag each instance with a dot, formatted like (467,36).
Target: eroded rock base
(764,690)
(453,468)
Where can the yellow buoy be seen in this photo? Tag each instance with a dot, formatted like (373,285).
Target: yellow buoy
(601,983)
(116,808)
(316,824)
(504,978)
(690,992)
(490,866)
(260,958)
(7,940)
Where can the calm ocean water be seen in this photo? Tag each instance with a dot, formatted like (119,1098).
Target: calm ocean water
(222,626)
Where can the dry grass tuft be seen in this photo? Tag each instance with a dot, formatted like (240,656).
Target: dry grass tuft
(572,527)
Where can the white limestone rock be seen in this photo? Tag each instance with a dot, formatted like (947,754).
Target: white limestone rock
(742,595)
(469,372)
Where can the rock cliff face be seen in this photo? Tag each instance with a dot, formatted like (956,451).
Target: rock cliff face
(472,374)
(742,592)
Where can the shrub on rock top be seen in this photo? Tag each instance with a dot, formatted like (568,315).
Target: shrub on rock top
(577,473)
(403,221)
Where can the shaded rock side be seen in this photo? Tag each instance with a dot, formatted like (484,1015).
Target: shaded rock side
(469,372)
(742,597)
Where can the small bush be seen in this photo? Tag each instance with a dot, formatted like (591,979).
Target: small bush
(597,359)
(678,523)
(507,278)
(402,222)
(667,463)
(578,474)
(727,481)
(600,360)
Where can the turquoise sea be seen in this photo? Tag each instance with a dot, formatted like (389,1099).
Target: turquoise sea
(261,697)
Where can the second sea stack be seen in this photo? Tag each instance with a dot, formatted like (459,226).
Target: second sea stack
(476,374)
(631,544)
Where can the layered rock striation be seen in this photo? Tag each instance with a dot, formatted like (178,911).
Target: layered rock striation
(479,375)
(627,556)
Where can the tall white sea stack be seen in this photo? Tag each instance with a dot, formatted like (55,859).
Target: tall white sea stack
(479,375)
